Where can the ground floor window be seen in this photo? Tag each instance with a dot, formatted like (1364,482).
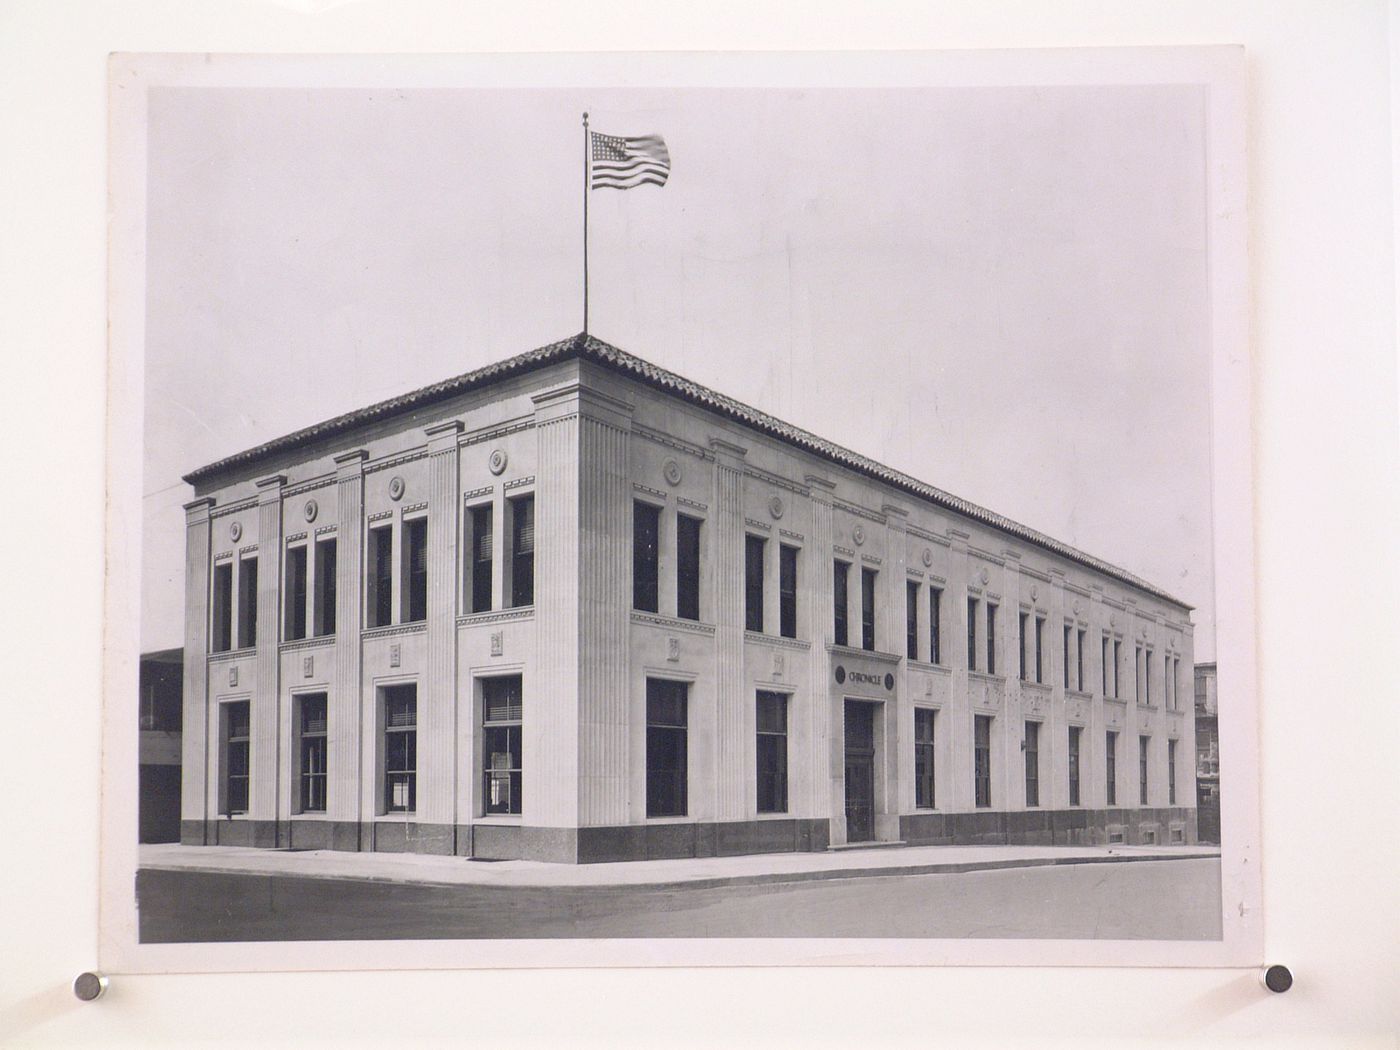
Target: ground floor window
(923,757)
(1032,744)
(982,760)
(311,752)
(236,756)
(1074,733)
(666,748)
(772,753)
(400,749)
(502,710)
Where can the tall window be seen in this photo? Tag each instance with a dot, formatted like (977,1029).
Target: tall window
(1147,676)
(1144,742)
(1176,683)
(840,592)
(1074,734)
(400,749)
(1117,663)
(991,638)
(311,752)
(935,621)
(787,591)
(1040,649)
(1171,772)
(982,760)
(381,576)
(753,582)
(867,609)
(972,634)
(482,555)
(666,748)
(1065,656)
(294,615)
(1022,636)
(1103,663)
(687,567)
(221,629)
(1079,660)
(236,759)
(772,753)
(1032,763)
(415,554)
(522,551)
(247,603)
(646,556)
(502,708)
(911,619)
(1137,674)
(923,757)
(1110,766)
(323,611)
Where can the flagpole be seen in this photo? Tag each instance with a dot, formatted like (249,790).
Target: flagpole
(585,223)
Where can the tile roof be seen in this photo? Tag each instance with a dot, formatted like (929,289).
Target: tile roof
(589,347)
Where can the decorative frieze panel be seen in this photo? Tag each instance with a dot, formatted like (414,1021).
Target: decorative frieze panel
(523,612)
(775,642)
(396,461)
(393,630)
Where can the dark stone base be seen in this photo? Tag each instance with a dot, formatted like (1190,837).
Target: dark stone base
(1051,827)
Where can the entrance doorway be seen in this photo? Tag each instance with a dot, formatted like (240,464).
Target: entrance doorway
(860,771)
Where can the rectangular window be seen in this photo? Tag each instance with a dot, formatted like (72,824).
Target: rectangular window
(771,722)
(911,619)
(1065,655)
(1032,763)
(935,621)
(1147,676)
(1110,766)
(991,638)
(972,634)
(415,552)
(1171,772)
(1137,674)
(380,602)
(923,757)
(400,749)
(221,629)
(646,556)
(247,603)
(502,710)
(840,591)
(982,760)
(1103,663)
(687,567)
(323,614)
(482,554)
(1144,742)
(666,748)
(1040,650)
(1079,661)
(867,609)
(294,615)
(753,583)
(1117,663)
(787,591)
(1022,636)
(522,551)
(311,752)
(1176,683)
(1074,734)
(236,758)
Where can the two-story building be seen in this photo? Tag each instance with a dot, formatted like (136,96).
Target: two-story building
(575,607)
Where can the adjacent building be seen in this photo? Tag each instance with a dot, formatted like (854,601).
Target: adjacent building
(1207,754)
(574,607)
(160,710)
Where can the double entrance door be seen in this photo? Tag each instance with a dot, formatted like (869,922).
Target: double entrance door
(860,771)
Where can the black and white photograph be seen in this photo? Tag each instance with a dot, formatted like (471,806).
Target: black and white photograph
(673,509)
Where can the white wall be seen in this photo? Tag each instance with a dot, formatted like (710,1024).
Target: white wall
(1321,208)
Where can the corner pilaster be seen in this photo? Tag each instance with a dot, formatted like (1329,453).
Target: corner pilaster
(194,741)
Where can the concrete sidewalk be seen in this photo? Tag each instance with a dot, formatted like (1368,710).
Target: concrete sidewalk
(696,873)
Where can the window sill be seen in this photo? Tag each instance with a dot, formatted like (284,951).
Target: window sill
(774,815)
(232,654)
(500,819)
(920,665)
(776,640)
(987,676)
(683,819)
(390,629)
(672,622)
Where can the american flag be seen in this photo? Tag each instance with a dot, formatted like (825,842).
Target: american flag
(621,163)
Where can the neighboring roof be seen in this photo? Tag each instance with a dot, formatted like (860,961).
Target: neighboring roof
(591,348)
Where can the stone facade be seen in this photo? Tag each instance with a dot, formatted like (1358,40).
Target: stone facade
(468,672)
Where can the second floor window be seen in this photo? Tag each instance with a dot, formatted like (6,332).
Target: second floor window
(867,609)
(991,638)
(522,550)
(1040,649)
(221,625)
(972,605)
(687,567)
(911,619)
(646,556)
(479,560)
(248,603)
(380,604)
(935,625)
(787,591)
(415,554)
(841,596)
(294,616)
(323,612)
(753,583)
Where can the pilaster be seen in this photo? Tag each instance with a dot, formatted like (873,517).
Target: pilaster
(194,741)
(727,555)
(899,751)
(827,771)
(437,690)
(345,706)
(267,708)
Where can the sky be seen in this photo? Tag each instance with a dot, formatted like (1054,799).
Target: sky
(1001,291)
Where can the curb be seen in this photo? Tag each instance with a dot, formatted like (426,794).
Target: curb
(705,882)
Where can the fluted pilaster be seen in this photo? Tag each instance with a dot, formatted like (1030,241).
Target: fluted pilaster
(827,772)
(731,702)
(267,712)
(345,722)
(437,691)
(194,742)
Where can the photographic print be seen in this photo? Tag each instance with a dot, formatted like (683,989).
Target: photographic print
(614,509)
